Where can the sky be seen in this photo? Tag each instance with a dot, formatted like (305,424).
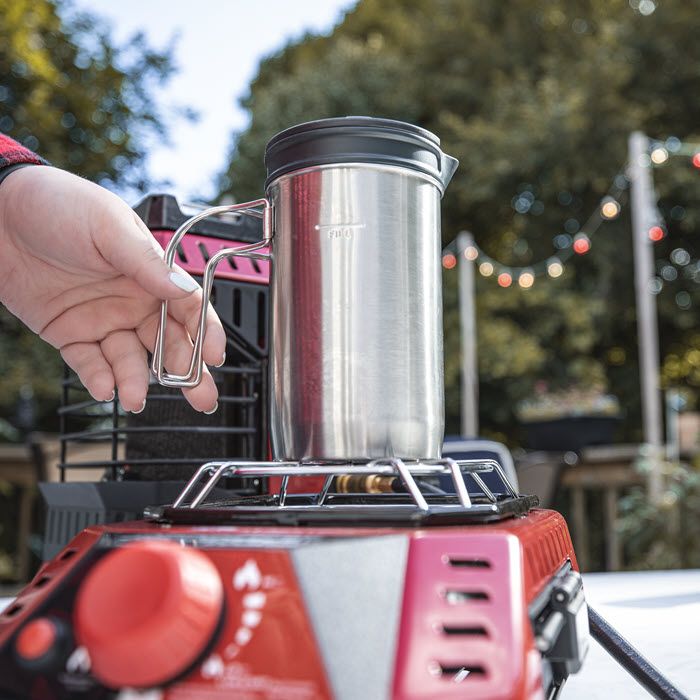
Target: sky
(220,44)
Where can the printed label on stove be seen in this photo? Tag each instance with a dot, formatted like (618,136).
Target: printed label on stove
(266,649)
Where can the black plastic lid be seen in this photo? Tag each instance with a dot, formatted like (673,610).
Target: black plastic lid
(358,140)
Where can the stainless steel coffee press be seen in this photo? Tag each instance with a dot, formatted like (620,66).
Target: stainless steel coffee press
(351,215)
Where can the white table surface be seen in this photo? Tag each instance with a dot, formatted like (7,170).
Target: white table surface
(658,612)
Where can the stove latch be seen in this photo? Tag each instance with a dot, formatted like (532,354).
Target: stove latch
(560,622)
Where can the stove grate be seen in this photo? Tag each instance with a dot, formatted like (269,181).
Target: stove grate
(408,493)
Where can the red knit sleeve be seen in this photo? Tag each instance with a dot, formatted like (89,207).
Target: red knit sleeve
(12,153)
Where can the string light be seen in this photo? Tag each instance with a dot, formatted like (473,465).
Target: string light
(554,267)
(505,279)
(567,246)
(582,243)
(449,261)
(471,253)
(486,269)
(659,155)
(610,208)
(656,233)
(526,279)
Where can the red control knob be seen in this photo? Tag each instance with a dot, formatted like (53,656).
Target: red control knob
(147,612)
(36,639)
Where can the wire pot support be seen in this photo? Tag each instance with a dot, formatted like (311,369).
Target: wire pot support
(409,473)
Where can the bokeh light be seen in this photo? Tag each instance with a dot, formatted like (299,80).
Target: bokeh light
(656,233)
(656,285)
(609,208)
(526,279)
(680,256)
(696,160)
(449,261)
(673,144)
(563,240)
(471,253)
(486,269)
(683,300)
(554,267)
(582,244)
(669,273)
(659,155)
(505,279)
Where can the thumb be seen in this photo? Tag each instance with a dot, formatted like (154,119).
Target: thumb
(131,249)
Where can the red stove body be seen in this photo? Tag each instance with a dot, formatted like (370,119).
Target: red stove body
(303,612)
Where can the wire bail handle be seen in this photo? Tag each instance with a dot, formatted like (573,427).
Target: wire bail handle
(260,209)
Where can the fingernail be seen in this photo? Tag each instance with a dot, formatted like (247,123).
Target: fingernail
(213,410)
(223,359)
(187,284)
(111,397)
(143,405)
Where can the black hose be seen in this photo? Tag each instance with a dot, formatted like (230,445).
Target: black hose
(631,660)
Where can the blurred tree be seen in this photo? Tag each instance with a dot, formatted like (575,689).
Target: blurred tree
(70,93)
(533,96)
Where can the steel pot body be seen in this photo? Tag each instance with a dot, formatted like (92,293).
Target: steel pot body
(356,314)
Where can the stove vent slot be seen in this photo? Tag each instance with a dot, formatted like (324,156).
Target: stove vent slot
(467,563)
(203,250)
(236,307)
(465,630)
(68,554)
(13,610)
(40,583)
(454,597)
(181,253)
(460,672)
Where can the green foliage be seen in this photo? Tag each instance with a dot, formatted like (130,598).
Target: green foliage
(68,92)
(665,536)
(84,103)
(537,95)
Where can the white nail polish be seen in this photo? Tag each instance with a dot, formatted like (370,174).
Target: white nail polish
(213,410)
(187,284)
(143,405)
(223,359)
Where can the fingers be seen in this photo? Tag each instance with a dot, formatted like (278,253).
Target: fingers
(94,320)
(93,370)
(187,311)
(127,356)
(178,353)
(125,242)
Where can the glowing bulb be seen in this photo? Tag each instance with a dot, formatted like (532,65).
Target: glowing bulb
(696,160)
(449,261)
(610,208)
(555,268)
(505,279)
(656,233)
(659,155)
(471,253)
(486,269)
(582,244)
(526,279)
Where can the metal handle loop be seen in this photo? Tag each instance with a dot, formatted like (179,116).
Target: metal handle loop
(259,208)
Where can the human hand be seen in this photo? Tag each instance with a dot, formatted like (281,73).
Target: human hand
(79,268)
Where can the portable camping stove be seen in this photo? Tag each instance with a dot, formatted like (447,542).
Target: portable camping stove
(469,594)
(473,595)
